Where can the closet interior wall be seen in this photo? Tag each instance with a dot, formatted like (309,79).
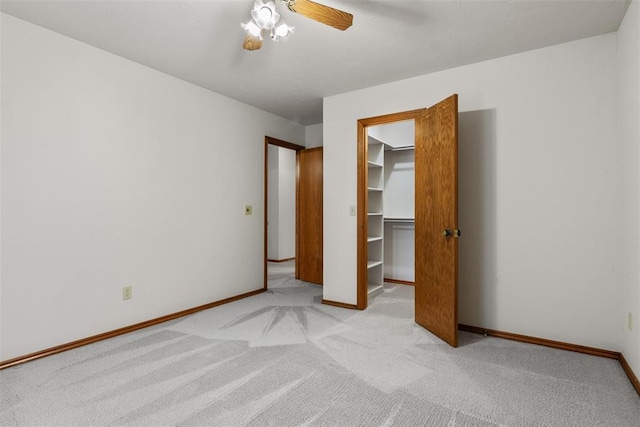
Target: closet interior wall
(399,222)
(391,196)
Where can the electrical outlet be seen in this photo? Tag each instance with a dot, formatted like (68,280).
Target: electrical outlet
(630,321)
(248,210)
(127,293)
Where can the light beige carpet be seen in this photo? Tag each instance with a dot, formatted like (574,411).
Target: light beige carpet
(284,359)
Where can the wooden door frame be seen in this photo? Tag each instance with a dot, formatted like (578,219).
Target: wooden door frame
(297,148)
(363,172)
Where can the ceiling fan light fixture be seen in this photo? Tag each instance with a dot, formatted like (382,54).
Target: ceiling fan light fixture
(265,15)
(281,31)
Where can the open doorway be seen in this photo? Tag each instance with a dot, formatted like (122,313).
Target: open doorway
(281,222)
(281,215)
(390,205)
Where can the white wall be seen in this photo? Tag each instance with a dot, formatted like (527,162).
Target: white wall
(286,203)
(114,174)
(399,184)
(1,134)
(398,134)
(273,206)
(399,202)
(281,233)
(540,194)
(629,110)
(313,136)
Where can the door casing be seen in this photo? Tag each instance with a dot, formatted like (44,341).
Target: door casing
(363,172)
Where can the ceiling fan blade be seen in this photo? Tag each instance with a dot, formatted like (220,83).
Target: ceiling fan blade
(323,14)
(251,42)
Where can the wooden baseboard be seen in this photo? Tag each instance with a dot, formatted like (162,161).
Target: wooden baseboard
(541,341)
(632,376)
(340,304)
(121,331)
(560,345)
(280,260)
(398,282)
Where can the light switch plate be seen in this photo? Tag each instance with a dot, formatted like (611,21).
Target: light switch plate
(352,210)
(248,210)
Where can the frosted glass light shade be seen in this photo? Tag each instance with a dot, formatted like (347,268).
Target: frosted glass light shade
(265,15)
(281,30)
(251,28)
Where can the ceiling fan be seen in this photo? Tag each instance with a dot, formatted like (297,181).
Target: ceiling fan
(265,17)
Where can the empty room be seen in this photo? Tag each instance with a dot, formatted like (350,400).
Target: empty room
(328,212)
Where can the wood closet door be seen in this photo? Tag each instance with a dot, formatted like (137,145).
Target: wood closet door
(309,248)
(436,214)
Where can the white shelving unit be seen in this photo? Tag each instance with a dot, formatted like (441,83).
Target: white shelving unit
(375,220)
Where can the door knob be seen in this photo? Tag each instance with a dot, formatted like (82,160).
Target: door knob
(457,233)
(447,233)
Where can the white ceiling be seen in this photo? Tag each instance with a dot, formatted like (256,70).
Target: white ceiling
(200,41)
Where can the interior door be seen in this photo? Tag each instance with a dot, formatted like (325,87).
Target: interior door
(436,216)
(309,202)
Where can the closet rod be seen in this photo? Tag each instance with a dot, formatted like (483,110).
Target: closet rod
(407,220)
(408,147)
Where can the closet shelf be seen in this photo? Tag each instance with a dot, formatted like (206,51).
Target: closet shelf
(375,207)
(371,264)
